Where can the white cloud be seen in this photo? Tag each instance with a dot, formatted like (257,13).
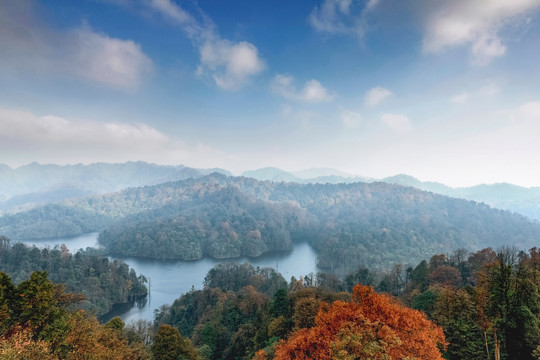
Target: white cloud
(475,23)
(350,119)
(371,4)
(376,96)
(488,90)
(341,17)
(229,64)
(283,85)
(312,92)
(485,49)
(397,122)
(170,9)
(460,98)
(110,61)
(81,53)
(484,92)
(52,129)
(530,111)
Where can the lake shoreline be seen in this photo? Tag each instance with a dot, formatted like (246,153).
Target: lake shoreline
(169,279)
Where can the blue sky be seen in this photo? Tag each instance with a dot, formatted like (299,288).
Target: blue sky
(443,90)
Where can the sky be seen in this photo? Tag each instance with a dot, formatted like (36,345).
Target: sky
(445,91)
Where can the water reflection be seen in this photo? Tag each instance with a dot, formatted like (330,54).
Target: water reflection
(169,279)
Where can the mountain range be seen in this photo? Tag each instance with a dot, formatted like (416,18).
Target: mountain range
(35,184)
(523,200)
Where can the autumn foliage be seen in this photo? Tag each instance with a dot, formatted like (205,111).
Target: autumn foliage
(38,322)
(371,326)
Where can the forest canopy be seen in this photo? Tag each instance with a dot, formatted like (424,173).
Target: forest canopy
(370,224)
(102,282)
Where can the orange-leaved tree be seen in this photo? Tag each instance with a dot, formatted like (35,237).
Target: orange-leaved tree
(371,326)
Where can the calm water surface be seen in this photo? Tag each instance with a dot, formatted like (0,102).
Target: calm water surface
(169,279)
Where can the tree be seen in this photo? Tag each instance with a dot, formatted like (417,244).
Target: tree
(21,346)
(37,299)
(371,326)
(170,345)
(281,305)
(445,275)
(455,311)
(88,340)
(361,276)
(37,323)
(509,304)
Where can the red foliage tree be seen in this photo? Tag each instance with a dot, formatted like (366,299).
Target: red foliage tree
(371,326)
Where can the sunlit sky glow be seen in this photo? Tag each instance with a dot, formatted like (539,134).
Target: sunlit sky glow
(445,91)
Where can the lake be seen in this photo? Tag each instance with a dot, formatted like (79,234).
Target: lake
(169,279)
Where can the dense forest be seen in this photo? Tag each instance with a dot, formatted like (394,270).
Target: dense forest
(40,320)
(102,282)
(224,223)
(481,305)
(245,312)
(371,224)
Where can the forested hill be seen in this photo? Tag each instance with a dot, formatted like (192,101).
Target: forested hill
(523,200)
(375,224)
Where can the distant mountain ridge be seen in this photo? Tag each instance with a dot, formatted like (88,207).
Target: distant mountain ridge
(35,184)
(525,201)
(307,176)
(32,185)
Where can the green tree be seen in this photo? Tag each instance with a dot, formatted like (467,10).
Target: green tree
(170,345)
(281,305)
(513,305)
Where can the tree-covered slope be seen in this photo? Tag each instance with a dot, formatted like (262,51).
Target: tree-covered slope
(222,224)
(375,224)
(53,220)
(40,320)
(523,200)
(103,282)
